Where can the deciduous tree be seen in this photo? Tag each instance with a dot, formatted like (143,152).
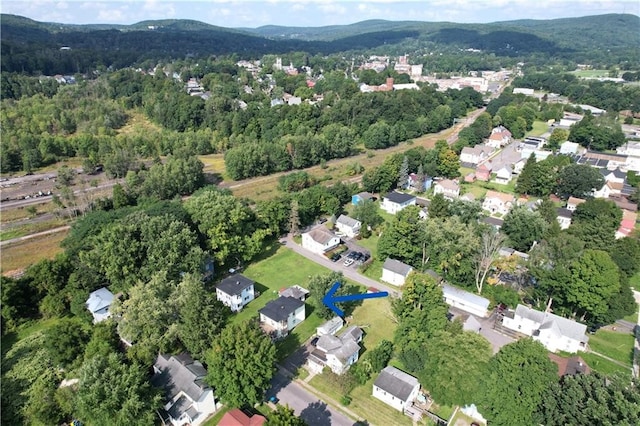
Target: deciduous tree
(523,227)
(578,180)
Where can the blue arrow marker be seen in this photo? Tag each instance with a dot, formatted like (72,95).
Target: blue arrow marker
(330,300)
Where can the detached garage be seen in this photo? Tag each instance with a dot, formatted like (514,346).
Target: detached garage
(468,302)
(395,272)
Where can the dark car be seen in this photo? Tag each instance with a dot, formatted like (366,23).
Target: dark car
(314,341)
(335,257)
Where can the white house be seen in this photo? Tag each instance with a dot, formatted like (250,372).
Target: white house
(448,188)
(498,203)
(235,291)
(504,175)
(348,226)
(499,137)
(330,327)
(554,332)
(294,291)
(466,301)
(280,316)
(475,155)
(395,272)
(394,201)
(188,399)
(98,304)
(574,202)
(569,148)
(319,240)
(396,388)
(564,217)
(338,353)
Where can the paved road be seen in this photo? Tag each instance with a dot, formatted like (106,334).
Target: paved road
(349,272)
(305,404)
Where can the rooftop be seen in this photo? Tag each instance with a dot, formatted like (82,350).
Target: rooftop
(399,197)
(179,373)
(279,310)
(396,382)
(566,327)
(234,284)
(99,299)
(321,234)
(505,198)
(397,267)
(450,291)
(348,221)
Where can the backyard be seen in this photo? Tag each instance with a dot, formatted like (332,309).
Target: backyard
(615,345)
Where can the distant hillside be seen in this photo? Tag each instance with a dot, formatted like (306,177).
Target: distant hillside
(31,46)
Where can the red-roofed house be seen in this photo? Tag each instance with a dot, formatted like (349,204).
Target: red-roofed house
(499,137)
(236,417)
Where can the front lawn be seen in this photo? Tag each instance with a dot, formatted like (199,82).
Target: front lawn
(602,365)
(618,346)
(374,270)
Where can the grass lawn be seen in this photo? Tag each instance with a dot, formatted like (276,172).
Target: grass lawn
(18,256)
(591,73)
(443,411)
(461,419)
(634,281)
(24,331)
(213,421)
(603,365)
(375,318)
(473,188)
(22,213)
(374,271)
(539,128)
(634,316)
(618,346)
(30,228)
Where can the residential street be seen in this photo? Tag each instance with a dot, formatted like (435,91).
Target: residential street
(305,404)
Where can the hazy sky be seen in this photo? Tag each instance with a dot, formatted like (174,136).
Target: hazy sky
(251,13)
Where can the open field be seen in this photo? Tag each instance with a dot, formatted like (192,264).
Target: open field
(14,215)
(539,128)
(30,228)
(18,256)
(591,73)
(138,122)
(618,346)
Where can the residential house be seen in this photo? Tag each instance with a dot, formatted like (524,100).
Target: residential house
(632,151)
(320,240)
(504,175)
(414,182)
(237,417)
(98,304)
(574,202)
(614,176)
(361,197)
(188,400)
(396,388)
(554,332)
(348,226)
(448,188)
(395,272)
(280,316)
(235,291)
(468,302)
(608,189)
(498,203)
(483,172)
(330,327)
(570,148)
(499,137)
(569,366)
(564,217)
(395,201)
(493,222)
(471,157)
(294,291)
(338,353)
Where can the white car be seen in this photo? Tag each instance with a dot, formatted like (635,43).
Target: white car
(348,262)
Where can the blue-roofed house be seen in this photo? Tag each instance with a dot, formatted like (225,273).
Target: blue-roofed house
(463,300)
(98,304)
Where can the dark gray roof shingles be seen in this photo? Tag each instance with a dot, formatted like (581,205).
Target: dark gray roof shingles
(279,310)
(234,284)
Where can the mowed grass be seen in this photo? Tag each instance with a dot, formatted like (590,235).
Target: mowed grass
(375,318)
(618,346)
(539,128)
(18,256)
(602,365)
(634,281)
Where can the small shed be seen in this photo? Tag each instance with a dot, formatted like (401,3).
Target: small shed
(468,302)
(361,197)
(395,272)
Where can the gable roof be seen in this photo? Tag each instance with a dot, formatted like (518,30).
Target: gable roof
(236,417)
(399,197)
(449,184)
(397,267)
(396,382)
(364,195)
(294,291)
(234,284)
(562,212)
(179,373)
(99,299)
(321,235)
(575,201)
(348,221)
(505,198)
(451,291)
(547,320)
(279,310)
(334,323)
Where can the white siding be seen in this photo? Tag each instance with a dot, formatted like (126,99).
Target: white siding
(392,277)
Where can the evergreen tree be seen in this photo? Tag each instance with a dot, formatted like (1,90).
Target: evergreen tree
(403,174)
(294,218)
(525,182)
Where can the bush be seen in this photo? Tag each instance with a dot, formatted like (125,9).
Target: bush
(345,400)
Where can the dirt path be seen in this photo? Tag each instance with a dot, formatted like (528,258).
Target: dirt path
(36,235)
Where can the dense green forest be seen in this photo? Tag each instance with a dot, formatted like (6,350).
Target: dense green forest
(33,47)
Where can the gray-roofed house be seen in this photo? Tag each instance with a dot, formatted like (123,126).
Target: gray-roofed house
(294,291)
(320,240)
(395,201)
(98,304)
(280,316)
(564,217)
(554,332)
(188,399)
(465,301)
(330,327)
(396,388)
(395,272)
(338,353)
(348,226)
(450,189)
(235,291)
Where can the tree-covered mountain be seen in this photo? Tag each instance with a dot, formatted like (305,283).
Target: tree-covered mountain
(34,47)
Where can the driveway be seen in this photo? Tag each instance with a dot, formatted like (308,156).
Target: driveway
(305,404)
(349,272)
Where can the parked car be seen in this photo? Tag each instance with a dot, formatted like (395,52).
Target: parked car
(314,341)
(335,257)
(348,262)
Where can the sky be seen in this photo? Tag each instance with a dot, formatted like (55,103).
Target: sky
(309,13)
